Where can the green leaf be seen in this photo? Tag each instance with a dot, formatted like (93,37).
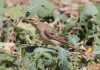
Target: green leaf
(97,56)
(47,55)
(14,12)
(42,8)
(62,54)
(33,67)
(2,3)
(44,50)
(41,57)
(2,10)
(89,10)
(48,62)
(31,8)
(74,39)
(62,17)
(98,16)
(97,20)
(65,65)
(41,64)
(4,56)
(4,68)
(98,6)
(69,26)
(96,50)
(27,27)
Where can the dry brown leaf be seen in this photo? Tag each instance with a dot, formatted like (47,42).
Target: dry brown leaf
(9,47)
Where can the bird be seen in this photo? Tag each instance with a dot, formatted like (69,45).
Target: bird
(49,34)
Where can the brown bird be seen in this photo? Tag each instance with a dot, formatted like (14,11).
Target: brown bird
(50,35)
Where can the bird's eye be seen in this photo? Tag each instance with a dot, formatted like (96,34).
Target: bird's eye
(30,19)
(52,33)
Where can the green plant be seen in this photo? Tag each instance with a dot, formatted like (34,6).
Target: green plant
(27,52)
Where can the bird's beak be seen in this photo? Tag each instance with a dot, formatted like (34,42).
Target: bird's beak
(27,19)
(30,19)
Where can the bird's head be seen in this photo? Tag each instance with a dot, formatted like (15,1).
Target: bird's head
(31,20)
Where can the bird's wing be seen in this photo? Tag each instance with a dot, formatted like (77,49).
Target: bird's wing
(53,34)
